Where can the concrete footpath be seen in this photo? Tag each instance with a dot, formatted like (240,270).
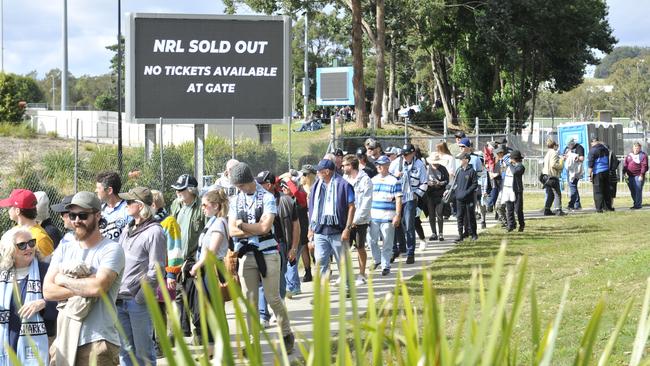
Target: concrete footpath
(300,307)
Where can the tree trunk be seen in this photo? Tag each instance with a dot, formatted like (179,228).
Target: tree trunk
(380,81)
(357,64)
(392,63)
(440,75)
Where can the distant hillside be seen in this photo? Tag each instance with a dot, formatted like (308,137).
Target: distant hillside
(619,53)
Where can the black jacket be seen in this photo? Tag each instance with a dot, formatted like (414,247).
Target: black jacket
(518,170)
(466,184)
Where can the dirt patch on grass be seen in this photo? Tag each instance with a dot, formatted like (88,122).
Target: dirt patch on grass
(12,149)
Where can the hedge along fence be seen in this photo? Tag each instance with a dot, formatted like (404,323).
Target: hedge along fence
(54,173)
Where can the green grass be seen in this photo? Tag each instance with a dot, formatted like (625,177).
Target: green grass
(599,254)
(534,201)
(18,130)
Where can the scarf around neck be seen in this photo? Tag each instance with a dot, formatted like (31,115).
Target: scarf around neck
(325,211)
(32,330)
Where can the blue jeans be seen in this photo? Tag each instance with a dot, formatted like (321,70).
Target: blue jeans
(262,305)
(138,328)
(408,222)
(379,230)
(292,277)
(636,189)
(324,247)
(574,201)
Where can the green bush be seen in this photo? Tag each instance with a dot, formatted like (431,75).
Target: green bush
(19,130)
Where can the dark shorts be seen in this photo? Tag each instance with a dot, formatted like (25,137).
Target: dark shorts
(358,236)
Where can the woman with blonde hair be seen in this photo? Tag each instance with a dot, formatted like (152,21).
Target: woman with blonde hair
(307,180)
(20,268)
(443,155)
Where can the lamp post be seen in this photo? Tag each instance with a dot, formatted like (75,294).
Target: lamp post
(2,35)
(305,83)
(64,72)
(119,86)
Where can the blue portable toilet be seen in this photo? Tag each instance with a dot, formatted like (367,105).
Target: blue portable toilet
(582,132)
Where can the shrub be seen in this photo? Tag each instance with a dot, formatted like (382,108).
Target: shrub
(18,130)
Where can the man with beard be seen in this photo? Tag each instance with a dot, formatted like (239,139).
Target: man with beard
(98,335)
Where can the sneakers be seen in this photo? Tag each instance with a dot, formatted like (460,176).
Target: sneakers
(561,213)
(483,225)
(548,212)
(385,271)
(433,237)
(307,277)
(441,238)
(474,238)
(521,229)
(361,280)
(289,341)
(423,245)
(395,256)
(266,324)
(375,266)
(410,259)
(459,240)
(290,294)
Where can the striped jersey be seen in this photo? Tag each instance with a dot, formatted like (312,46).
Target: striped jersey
(384,191)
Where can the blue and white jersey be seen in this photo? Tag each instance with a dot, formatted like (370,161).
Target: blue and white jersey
(384,191)
(116,220)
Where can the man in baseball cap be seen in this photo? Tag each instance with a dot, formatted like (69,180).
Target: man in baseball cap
(61,209)
(186,209)
(97,331)
(412,174)
(250,223)
(21,205)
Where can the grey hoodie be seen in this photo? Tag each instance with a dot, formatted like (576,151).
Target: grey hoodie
(144,247)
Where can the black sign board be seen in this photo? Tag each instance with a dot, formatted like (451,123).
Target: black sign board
(207,69)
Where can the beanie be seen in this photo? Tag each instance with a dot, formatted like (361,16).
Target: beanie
(240,174)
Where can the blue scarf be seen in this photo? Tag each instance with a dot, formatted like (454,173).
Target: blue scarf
(34,326)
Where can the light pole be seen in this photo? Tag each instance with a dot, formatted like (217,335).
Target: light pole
(305,83)
(2,34)
(64,72)
(119,86)
(53,91)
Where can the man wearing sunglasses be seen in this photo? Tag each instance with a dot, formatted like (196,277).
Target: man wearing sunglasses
(97,334)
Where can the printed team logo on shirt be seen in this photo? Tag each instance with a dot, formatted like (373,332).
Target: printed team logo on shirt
(112,230)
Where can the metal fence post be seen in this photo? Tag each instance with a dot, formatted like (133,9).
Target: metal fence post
(445,131)
(289,139)
(162,165)
(232,137)
(508,126)
(332,134)
(76,158)
(406,130)
(476,127)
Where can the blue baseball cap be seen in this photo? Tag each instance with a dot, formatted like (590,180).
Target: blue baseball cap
(325,164)
(382,160)
(465,142)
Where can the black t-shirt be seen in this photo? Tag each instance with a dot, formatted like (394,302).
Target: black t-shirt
(578,149)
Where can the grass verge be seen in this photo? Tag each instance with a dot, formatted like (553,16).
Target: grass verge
(601,255)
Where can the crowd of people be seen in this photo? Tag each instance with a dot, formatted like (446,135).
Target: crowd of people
(263,226)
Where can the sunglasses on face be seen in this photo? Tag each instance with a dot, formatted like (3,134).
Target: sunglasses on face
(23,245)
(81,215)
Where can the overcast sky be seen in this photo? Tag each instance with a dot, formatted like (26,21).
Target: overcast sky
(32,29)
